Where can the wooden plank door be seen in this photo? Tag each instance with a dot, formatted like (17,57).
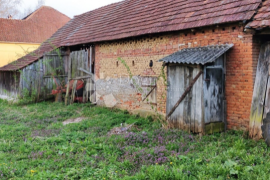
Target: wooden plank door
(214,95)
(188,115)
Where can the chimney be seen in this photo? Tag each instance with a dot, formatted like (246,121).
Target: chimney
(9,17)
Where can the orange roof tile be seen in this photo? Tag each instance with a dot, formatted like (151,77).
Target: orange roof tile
(262,18)
(36,28)
(132,18)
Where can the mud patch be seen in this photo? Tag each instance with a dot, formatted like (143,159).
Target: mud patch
(76,120)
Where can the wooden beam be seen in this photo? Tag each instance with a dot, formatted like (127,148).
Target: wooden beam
(82,77)
(67,94)
(56,76)
(87,72)
(184,95)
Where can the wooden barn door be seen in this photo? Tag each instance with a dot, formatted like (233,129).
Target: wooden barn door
(214,98)
(188,115)
(214,95)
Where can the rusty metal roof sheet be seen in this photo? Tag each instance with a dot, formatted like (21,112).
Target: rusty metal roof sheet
(262,18)
(132,18)
(198,55)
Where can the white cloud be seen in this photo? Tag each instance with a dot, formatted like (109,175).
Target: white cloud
(71,7)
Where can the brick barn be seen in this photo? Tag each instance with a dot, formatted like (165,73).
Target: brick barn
(192,61)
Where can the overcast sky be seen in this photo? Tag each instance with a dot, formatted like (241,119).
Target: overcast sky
(71,7)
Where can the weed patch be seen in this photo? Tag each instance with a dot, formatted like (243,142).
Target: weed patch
(34,144)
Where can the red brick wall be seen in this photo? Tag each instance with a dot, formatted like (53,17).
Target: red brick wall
(241,62)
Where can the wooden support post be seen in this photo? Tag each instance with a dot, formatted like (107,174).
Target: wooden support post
(67,94)
(73,91)
(184,95)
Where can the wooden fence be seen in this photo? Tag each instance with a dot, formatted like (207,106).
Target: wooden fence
(38,79)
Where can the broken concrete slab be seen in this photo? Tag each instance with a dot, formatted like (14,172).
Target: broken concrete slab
(110,100)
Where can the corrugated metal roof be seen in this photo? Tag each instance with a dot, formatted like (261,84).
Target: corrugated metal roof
(198,55)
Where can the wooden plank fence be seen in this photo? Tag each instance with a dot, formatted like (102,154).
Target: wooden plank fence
(36,79)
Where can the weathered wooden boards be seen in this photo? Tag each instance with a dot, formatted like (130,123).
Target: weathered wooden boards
(37,78)
(213,95)
(80,64)
(267,100)
(258,100)
(9,84)
(54,66)
(148,88)
(188,115)
(265,129)
(184,94)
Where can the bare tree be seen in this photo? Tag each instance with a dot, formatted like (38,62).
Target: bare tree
(40,3)
(29,10)
(9,7)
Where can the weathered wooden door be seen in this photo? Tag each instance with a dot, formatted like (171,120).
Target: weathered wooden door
(213,95)
(81,66)
(188,115)
(260,101)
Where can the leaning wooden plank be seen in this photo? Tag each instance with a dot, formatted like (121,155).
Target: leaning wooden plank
(87,72)
(78,78)
(184,95)
(67,95)
(267,100)
(257,107)
(73,91)
(69,73)
(69,69)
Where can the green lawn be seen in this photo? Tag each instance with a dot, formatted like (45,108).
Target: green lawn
(34,144)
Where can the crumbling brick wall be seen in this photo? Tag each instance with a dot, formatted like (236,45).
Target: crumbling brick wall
(241,63)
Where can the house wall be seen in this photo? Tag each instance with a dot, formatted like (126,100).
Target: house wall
(9,52)
(241,63)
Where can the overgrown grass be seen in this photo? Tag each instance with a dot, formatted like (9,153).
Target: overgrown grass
(35,145)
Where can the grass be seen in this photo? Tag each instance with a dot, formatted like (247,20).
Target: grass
(35,145)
